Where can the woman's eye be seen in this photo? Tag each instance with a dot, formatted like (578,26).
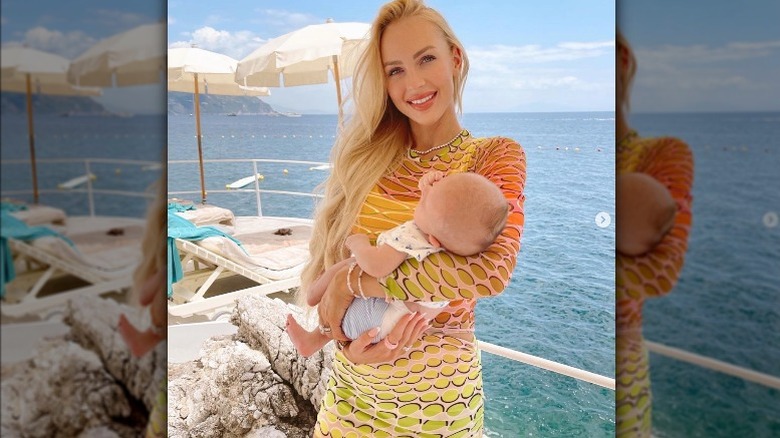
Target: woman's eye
(427,58)
(393,72)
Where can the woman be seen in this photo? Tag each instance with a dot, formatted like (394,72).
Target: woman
(406,88)
(653,220)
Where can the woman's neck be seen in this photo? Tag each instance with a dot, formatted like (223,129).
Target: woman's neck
(622,128)
(427,136)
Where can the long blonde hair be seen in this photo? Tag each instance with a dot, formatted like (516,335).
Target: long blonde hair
(372,143)
(625,76)
(154,257)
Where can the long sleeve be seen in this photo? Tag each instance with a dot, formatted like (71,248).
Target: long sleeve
(446,277)
(670,162)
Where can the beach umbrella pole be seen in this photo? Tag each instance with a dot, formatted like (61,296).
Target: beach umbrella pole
(31,135)
(337,78)
(200,147)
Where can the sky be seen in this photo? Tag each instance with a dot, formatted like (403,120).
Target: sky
(69,28)
(525,56)
(704,55)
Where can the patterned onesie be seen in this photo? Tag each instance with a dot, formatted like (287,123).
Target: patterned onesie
(434,390)
(653,274)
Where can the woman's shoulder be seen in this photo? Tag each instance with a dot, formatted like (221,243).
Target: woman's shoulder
(666,146)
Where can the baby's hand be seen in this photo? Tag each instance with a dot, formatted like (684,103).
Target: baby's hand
(430,179)
(356,240)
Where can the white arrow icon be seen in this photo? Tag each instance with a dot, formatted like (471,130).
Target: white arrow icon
(771,219)
(603,219)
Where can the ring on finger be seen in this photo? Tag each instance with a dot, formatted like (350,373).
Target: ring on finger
(324,329)
(390,345)
(407,348)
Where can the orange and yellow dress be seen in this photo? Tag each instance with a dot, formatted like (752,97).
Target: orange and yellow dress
(653,274)
(434,390)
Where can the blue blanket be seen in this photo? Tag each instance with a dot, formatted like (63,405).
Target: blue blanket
(13,228)
(180,228)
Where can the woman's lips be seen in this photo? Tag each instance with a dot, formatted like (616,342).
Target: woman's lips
(422,103)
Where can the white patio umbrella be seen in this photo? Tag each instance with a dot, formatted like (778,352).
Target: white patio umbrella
(305,56)
(190,70)
(134,57)
(28,70)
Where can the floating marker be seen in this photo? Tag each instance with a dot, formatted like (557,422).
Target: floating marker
(285,171)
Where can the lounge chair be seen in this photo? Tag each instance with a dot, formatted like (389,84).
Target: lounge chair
(267,250)
(101,251)
(34,214)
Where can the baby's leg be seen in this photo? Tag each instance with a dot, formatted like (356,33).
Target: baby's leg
(307,343)
(317,289)
(363,315)
(139,342)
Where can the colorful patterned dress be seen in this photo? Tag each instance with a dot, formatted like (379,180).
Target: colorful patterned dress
(653,274)
(434,390)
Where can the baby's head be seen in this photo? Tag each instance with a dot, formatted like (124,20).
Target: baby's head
(463,212)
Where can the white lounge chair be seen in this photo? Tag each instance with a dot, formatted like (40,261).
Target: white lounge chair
(105,254)
(274,261)
(35,214)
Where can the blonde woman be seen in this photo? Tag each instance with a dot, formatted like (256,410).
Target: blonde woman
(426,380)
(149,290)
(653,220)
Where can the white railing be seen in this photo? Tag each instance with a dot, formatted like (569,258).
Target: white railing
(90,191)
(508,353)
(714,364)
(256,186)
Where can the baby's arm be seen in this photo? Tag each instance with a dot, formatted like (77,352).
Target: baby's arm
(376,261)
(317,289)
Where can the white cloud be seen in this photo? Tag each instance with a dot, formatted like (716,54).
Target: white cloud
(235,44)
(702,77)
(67,44)
(486,57)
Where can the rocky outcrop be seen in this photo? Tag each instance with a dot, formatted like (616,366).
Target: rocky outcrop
(85,383)
(250,384)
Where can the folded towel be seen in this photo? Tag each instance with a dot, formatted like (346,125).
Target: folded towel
(13,228)
(178,207)
(180,228)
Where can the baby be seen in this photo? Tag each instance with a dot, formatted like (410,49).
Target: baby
(462,213)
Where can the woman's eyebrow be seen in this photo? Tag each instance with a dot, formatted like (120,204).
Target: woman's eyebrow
(416,55)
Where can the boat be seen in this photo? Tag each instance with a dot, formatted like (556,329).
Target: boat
(291,114)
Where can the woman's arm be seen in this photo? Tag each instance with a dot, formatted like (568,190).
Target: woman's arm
(446,277)
(670,162)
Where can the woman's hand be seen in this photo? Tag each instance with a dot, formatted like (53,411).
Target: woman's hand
(405,333)
(334,303)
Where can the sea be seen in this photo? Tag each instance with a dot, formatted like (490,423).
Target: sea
(726,304)
(559,304)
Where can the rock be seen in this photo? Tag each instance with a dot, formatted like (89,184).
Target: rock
(93,324)
(261,324)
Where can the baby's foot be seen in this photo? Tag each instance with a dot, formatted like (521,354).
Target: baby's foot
(139,342)
(307,343)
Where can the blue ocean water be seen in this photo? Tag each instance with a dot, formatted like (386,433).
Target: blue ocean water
(560,303)
(135,138)
(726,304)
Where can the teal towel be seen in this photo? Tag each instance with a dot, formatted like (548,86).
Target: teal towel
(14,228)
(178,208)
(180,228)
(12,206)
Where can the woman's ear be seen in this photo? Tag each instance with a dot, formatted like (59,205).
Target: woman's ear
(457,58)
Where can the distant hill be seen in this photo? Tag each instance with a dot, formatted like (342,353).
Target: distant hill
(15,103)
(181,103)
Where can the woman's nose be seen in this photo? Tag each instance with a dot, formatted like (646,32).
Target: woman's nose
(414,79)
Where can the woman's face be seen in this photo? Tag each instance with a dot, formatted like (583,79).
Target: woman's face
(419,69)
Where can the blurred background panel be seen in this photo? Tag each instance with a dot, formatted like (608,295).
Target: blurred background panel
(708,73)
